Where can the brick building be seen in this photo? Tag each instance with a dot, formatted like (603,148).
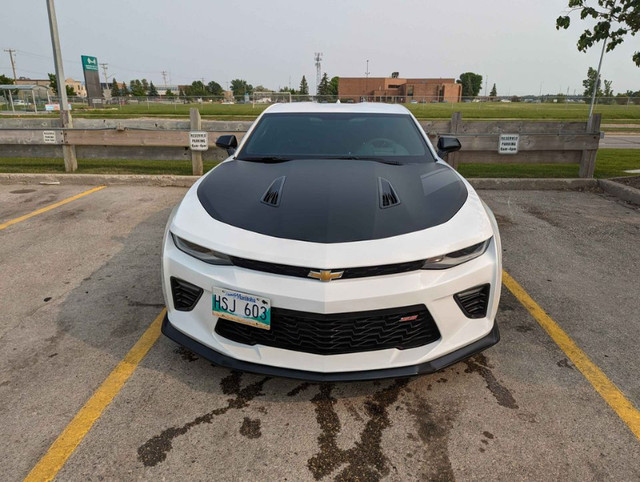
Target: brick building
(388,89)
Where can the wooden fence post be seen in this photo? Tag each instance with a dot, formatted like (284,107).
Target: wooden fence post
(68,151)
(453,158)
(196,156)
(588,159)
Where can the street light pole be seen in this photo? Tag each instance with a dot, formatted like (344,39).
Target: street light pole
(70,161)
(597,81)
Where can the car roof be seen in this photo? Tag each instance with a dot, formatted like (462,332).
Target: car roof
(314,107)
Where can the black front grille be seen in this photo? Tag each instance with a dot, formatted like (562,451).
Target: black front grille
(333,334)
(185,295)
(301,272)
(474,301)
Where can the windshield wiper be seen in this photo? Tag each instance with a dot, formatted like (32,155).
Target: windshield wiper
(265,159)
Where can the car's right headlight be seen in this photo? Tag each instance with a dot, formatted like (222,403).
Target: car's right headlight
(203,254)
(456,257)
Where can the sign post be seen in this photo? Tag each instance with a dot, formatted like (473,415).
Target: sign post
(197,141)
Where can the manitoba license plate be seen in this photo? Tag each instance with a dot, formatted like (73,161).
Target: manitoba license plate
(242,308)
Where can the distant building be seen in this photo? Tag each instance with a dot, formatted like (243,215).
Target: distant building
(28,81)
(78,87)
(389,89)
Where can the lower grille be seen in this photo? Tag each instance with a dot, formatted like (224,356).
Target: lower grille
(474,301)
(185,295)
(338,333)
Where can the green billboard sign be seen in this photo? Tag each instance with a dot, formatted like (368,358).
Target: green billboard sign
(89,63)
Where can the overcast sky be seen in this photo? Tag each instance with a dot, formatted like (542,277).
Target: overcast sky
(512,42)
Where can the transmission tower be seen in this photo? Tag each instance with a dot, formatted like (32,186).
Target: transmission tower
(164,77)
(318,58)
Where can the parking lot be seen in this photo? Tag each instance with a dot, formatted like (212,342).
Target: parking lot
(80,286)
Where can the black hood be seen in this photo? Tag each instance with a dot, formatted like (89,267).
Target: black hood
(332,201)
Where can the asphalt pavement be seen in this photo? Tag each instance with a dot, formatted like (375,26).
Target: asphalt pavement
(80,285)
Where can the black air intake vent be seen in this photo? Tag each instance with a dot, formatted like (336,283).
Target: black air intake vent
(185,295)
(473,302)
(388,195)
(274,193)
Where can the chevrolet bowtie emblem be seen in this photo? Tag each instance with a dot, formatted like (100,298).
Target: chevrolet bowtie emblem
(325,275)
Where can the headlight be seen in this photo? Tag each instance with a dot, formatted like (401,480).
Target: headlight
(203,254)
(456,257)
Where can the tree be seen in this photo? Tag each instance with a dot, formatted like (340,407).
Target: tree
(124,92)
(240,87)
(261,88)
(53,85)
(471,84)
(153,92)
(196,89)
(115,90)
(590,81)
(145,85)
(333,86)
(614,20)
(168,93)
(304,87)
(324,88)
(213,88)
(137,88)
(4,80)
(494,92)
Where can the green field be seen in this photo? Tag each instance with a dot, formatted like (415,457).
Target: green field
(473,110)
(610,163)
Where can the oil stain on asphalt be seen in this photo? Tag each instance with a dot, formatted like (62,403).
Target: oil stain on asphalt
(480,365)
(365,460)
(155,450)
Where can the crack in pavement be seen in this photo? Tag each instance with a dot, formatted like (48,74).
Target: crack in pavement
(155,450)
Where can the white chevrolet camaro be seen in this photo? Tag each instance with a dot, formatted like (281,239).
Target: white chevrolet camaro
(333,244)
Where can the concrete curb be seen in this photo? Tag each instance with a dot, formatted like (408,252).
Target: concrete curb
(186,181)
(99,179)
(534,184)
(621,191)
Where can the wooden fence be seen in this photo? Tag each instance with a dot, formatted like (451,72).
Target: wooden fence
(536,141)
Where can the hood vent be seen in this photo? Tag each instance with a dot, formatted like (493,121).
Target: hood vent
(274,193)
(388,195)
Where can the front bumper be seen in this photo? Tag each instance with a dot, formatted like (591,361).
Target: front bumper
(406,371)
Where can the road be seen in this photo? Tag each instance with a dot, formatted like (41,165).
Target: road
(615,141)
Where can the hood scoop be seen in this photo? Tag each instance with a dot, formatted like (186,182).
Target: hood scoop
(388,195)
(274,193)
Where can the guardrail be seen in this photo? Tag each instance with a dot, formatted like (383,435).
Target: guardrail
(495,141)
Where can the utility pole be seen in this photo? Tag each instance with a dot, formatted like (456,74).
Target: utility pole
(366,82)
(318,58)
(69,151)
(106,77)
(13,63)
(597,82)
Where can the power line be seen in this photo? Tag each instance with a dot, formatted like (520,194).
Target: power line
(13,63)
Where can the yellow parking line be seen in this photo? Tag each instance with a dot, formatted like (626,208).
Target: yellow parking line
(605,387)
(49,207)
(51,463)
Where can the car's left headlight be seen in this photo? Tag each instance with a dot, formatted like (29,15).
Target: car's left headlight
(200,252)
(456,257)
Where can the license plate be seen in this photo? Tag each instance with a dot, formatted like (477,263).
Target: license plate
(242,308)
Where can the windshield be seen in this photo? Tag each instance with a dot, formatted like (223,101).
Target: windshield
(387,137)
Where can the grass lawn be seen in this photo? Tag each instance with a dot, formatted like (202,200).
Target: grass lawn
(610,163)
(470,110)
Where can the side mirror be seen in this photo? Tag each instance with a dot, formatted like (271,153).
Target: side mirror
(448,144)
(228,142)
